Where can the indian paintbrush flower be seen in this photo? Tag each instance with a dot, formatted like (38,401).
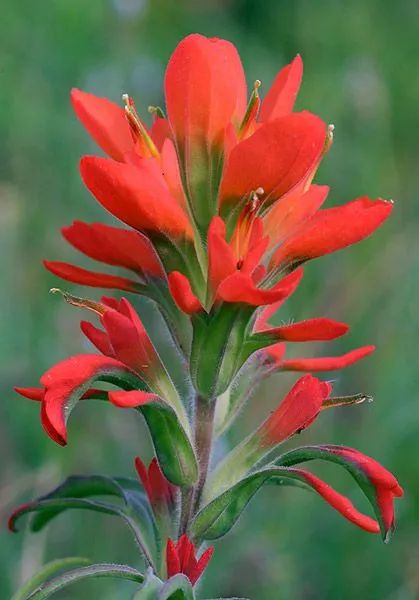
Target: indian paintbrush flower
(219,212)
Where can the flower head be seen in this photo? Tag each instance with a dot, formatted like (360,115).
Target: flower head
(181,558)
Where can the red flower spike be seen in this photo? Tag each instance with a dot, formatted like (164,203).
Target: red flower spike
(339,502)
(90,278)
(114,246)
(283,92)
(138,195)
(205,88)
(297,411)
(385,484)
(310,330)
(182,293)
(180,558)
(158,489)
(105,122)
(275,158)
(327,363)
(131,399)
(332,229)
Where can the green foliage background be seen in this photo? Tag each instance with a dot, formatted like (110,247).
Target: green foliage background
(360,74)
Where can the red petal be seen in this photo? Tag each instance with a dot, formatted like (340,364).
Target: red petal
(182,293)
(201,565)
(292,210)
(98,338)
(281,96)
(221,261)
(310,330)
(114,246)
(297,410)
(143,475)
(172,559)
(105,121)
(69,378)
(90,278)
(332,229)
(32,393)
(137,195)
(204,87)
(339,502)
(131,399)
(262,320)
(327,363)
(170,167)
(240,287)
(276,157)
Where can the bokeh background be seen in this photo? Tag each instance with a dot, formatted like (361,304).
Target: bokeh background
(361,73)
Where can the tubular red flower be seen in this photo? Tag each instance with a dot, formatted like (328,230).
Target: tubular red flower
(138,195)
(283,92)
(105,122)
(181,558)
(298,409)
(158,489)
(310,330)
(332,229)
(205,88)
(114,246)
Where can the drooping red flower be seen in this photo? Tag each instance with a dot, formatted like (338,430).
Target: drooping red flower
(181,558)
(160,492)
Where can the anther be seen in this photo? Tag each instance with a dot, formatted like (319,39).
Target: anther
(137,126)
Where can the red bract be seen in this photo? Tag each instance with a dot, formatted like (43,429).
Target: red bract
(158,489)
(181,558)
(297,411)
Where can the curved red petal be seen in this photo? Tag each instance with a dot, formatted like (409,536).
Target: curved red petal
(182,293)
(105,121)
(332,229)
(327,363)
(32,393)
(275,158)
(137,195)
(283,92)
(114,246)
(90,278)
(131,399)
(310,330)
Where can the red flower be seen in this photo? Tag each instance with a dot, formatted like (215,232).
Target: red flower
(127,352)
(181,558)
(298,410)
(113,246)
(160,492)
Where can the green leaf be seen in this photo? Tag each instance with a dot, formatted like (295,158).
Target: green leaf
(58,505)
(47,571)
(177,587)
(219,347)
(217,518)
(99,570)
(171,443)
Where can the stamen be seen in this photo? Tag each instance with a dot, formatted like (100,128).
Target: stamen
(251,113)
(96,307)
(137,126)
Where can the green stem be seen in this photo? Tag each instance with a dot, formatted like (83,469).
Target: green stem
(204,424)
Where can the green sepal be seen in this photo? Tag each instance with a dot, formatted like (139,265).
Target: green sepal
(307,453)
(219,347)
(49,588)
(177,587)
(217,518)
(171,443)
(48,571)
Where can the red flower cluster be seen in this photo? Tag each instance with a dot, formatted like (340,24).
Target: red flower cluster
(223,211)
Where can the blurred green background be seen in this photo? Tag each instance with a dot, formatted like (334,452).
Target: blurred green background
(361,73)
